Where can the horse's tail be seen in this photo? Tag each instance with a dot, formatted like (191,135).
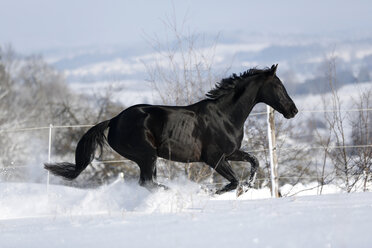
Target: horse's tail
(84,153)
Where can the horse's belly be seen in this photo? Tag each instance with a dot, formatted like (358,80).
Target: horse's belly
(180,152)
(179,141)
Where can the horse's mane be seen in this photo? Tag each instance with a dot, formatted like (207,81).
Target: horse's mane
(228,84)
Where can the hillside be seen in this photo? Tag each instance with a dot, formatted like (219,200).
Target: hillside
(302,64)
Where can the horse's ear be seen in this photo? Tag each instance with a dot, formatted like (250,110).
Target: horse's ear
(273,69)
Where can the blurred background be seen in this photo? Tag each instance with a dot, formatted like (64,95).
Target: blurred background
(73,63)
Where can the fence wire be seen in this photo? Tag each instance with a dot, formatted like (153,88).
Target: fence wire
(21,129)
(25,129)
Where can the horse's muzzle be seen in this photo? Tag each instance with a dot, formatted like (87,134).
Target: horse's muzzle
(292,112)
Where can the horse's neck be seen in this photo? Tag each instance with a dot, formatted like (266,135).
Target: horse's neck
(238,109)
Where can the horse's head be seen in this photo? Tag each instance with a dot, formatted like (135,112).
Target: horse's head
(273,93)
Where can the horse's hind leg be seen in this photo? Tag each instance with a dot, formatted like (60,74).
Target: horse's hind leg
(246,157)
(148,173)
(134,145)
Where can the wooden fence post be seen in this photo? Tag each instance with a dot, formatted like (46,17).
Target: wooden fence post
(272,152)
(49,153)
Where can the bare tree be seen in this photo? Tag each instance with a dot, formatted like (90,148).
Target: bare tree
(361,136)
(181,68)
(12,144)
(34,94)
(349,165)
(180,72)
(323,139)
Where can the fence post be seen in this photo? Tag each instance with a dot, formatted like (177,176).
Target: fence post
(49,153)
(272,152)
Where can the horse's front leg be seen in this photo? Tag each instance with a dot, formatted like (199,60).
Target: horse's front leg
(222,167)
(246,157)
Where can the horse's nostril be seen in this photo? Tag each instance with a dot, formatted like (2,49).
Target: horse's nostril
(295,110)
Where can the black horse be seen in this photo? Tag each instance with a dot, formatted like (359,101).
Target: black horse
(209,131)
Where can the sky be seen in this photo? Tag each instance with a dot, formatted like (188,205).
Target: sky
(38,25)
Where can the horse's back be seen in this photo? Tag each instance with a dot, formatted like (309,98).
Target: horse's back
(170,131)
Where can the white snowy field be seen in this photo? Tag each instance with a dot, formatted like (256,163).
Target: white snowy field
(126,215)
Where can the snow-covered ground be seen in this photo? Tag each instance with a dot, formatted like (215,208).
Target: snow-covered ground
(126,215)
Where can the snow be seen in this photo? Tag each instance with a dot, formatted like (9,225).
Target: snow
(126,92)
(124,214)
(117,65)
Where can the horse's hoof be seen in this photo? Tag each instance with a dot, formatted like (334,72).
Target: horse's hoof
(243,188)
(161,186)
(153,186)
(227,188)
(219,192)
(239,191)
